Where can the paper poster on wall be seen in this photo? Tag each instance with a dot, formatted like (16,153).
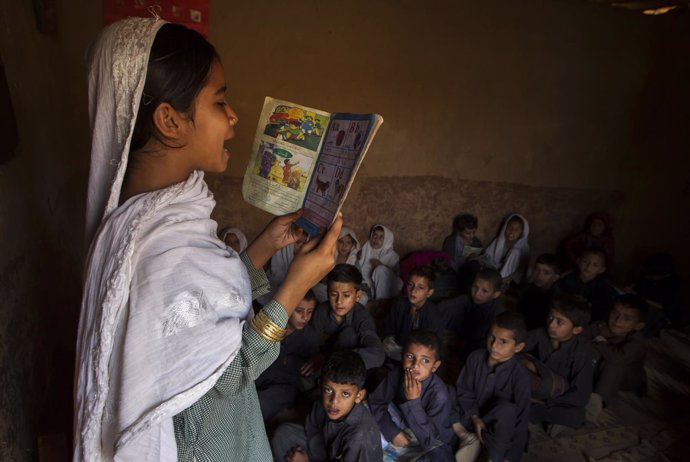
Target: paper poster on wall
(191,13)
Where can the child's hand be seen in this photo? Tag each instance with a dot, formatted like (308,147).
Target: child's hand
(313,366)
(460,430)
(297,454)
(600,339)
(401,440)
(411,386)
(479,427)
(375,262)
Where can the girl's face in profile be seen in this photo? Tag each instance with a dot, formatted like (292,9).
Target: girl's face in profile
(345,245)
(377,238)
(213,123)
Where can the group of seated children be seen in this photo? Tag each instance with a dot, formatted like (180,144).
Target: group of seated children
(380,393)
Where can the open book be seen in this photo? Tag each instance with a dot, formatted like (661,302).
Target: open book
(304,157)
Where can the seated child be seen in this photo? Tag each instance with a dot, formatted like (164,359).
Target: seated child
(561,364)
(346,252)
(413,397)
(509,251)
(470,316)
(493,395)
(535,296)
(596,234)
(621,348)
(234,238)
(279,386)
(339,427)
(379,264)
(590,283)
(464,229)
(348,246)
(411,312)
(342,323)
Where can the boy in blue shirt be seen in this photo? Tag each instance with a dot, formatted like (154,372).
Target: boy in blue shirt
(493,395)
(470,316)
(413,397)
(561,363)
(342,323)
(340,427)
(414,311)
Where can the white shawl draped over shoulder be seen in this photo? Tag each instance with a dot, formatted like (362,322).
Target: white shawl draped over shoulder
(164,299)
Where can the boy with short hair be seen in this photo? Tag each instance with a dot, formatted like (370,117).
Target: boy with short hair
(413,397)
(621,347)
(279,386)
(339,427)
(589,282)
(536,295)
(342,323)
(493,395)
(411,312)
(561,363)
(470,316)
(464,236)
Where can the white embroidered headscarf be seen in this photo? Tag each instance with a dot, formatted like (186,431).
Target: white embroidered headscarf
(352,258)
(508,261)
(385,254)
(237,232)
(164,298)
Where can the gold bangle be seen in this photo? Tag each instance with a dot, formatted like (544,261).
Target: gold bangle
(266,328)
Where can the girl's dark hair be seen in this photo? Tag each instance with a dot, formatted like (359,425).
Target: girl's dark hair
(178,68)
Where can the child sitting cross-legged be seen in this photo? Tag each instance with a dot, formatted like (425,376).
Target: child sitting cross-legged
(342,323)
(621,347)
(470,316)
(561,363)
(493,395)
(413,402)
(462,242)
(279,386)
(411,312)
(380,264)
(339,427)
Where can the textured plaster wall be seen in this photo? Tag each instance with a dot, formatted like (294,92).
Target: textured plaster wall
(543,107)
(548,107)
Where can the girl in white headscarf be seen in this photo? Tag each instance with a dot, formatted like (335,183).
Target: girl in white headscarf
(378,263)
(509,251)
(235,238)
(165,360)
(348,246)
